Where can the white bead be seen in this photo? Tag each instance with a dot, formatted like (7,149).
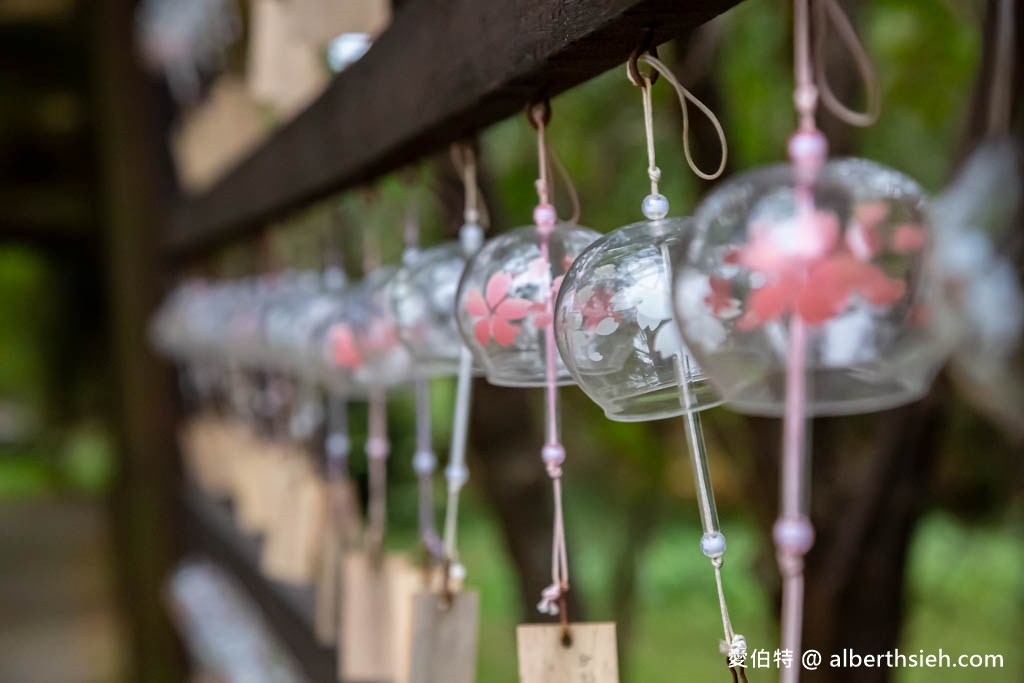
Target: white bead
(471,236)
(655,207)
(457,572)
(457,475)
(338,445)
(713,544)
(409,255)
(424,462)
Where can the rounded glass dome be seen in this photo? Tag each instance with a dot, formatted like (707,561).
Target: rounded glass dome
(422,300)
(364,341)
(846,264)
(614,326)
(505,301)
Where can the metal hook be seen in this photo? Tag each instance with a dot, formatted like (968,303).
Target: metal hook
(632,64)
(538,113)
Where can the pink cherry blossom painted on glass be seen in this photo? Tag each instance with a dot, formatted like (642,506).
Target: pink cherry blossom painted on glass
(342,347)
(495,313)
(805,269)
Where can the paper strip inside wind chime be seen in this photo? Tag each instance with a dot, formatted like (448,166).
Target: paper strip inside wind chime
(801,292)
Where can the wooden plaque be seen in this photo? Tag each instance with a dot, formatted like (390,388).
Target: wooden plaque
(328,585)
(444,640)
(590,658)
(376,621)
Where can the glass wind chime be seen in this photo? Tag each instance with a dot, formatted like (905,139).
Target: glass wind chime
(802,292)
(412,327)
(423,303)
(505,310)
(977,305)
(614,327)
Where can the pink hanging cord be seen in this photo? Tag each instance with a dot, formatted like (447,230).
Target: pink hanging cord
(793,532)
(553,453)
(378,448)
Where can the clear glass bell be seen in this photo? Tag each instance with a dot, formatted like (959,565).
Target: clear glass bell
(614,326)
(423,306)
(852,272)
(505,302)
(365,341)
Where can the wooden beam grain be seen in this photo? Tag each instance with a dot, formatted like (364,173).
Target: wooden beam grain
(444,70)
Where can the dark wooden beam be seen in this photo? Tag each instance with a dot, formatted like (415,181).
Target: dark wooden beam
(444,70)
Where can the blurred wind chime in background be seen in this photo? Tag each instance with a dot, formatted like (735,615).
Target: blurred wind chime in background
(422,299)
(815,287)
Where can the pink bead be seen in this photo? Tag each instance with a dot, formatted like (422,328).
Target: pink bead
(793,535)
(377,447)
(808,149)
(544,216)
(553,454)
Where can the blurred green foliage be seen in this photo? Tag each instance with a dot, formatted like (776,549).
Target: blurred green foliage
(965,587)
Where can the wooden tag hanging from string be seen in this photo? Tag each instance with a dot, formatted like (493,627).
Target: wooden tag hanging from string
(444,638)
(588,656)
(294,541)
(320,21)
(405,580)
(284,70)
(342,530)
(376,617)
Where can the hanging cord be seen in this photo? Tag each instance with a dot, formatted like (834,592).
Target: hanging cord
(1000,103)
(655,207)
(378,448)
(793,532)
(464,160)
(553,598)
(456,473)
(826,11)
(539,114)
(424,461)
(644,82)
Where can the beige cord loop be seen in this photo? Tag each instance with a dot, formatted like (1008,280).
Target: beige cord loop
(464,160)
(570,187)
(684,96)
(539,115)
(826,11)
(1000,103)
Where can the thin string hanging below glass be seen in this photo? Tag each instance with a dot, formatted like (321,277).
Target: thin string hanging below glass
(456,473)
(424,460)
(378,448)
(553,598)
(655,207)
